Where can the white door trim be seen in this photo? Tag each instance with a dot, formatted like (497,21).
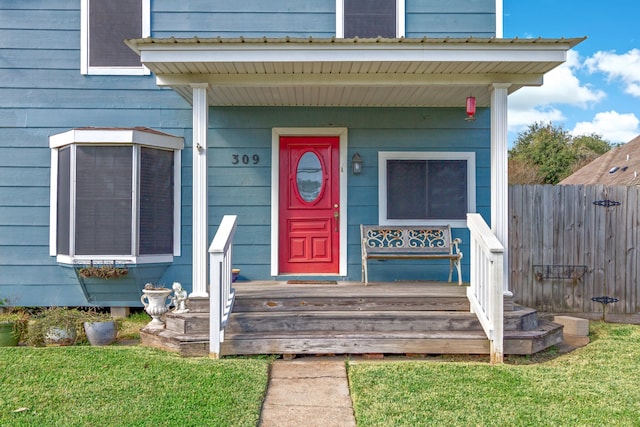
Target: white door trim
(275,188)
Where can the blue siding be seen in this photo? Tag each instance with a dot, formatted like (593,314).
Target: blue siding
(451,18)
(42,93)
(294,18)
(253,18)
(248,131)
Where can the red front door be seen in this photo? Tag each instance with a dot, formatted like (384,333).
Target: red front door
(309,224)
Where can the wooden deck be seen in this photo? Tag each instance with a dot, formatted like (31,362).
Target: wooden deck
(350,318)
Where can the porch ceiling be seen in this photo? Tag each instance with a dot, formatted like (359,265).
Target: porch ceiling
(349,72)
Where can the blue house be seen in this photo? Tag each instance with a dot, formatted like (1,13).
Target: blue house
(129,128)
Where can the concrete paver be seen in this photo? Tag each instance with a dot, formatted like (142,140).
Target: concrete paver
(308,392)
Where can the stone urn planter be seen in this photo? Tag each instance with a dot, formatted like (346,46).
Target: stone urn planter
(155,304)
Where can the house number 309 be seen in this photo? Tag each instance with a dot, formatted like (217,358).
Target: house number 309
(245,159)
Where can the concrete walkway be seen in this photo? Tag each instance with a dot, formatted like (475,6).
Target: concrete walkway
(308,392)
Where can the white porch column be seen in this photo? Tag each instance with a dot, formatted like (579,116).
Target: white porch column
(499,174)
(200,223)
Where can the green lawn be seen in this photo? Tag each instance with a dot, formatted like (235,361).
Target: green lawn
(127,386)
(136,386)
(596,385)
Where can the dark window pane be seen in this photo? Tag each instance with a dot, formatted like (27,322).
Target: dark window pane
(110,23)
(64,197)
(447,190)
(103,200)
(426,189)
(406,183)
(156,201)
(370,18)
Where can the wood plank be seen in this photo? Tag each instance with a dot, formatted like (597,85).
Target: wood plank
(577,285)
(599,259)
(354,303)
(548,246)
(633,251)
(560,212)
(422,343)
(516,278)
(565,288)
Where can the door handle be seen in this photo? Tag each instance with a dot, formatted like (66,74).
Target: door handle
(336,214)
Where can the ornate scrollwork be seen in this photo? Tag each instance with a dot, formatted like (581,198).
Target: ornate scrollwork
(427,238)
(384,238)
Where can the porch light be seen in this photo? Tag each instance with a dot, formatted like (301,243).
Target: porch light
(356,164)
(471,108)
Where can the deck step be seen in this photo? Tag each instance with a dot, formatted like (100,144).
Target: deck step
(188,323)
(377,303)
(395,318)
(187,345)
(323,342)
(355,321)
(370,321)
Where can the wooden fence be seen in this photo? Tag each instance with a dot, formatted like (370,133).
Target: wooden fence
(569,244)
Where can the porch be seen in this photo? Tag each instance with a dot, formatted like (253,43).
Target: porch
(427,317)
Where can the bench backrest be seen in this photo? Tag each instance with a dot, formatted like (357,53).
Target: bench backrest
(434,239)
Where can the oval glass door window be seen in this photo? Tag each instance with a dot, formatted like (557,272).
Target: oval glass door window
(309,177)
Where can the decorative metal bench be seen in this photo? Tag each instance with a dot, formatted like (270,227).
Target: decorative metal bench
(409,242)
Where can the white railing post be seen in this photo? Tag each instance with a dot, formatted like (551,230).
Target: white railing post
(221,294)
(485,292)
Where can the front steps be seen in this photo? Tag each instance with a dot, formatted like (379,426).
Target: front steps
(424,318)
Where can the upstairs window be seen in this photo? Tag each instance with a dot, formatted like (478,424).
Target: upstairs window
(426,188)
(370,18)
(115,196)
(104,27)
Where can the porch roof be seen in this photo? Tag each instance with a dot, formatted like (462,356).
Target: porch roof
(349,72)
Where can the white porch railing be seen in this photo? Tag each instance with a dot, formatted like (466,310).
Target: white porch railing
(485,293)
(221,294)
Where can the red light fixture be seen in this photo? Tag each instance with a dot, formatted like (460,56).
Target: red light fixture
(471,108)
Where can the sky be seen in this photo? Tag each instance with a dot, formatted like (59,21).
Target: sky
(597,90)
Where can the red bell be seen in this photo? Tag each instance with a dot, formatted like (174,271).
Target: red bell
(471,108)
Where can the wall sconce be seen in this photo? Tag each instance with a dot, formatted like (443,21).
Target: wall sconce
(356,164)
(471,108)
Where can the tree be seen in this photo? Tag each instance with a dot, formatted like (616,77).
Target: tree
(588,148)
(545,154)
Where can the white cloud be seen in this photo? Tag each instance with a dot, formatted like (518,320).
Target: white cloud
(561,87)
(611,125)
(625,68)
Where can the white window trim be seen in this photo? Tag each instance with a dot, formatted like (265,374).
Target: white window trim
(400,18)
(85,67)
(383,156)
(130,137)
(499,19)
(276,133)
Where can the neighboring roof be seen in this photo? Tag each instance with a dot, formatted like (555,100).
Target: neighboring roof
(349,72)
(619,166)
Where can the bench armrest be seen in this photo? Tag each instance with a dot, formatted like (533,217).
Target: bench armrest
(454,245)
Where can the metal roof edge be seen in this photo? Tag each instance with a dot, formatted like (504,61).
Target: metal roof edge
(135,44)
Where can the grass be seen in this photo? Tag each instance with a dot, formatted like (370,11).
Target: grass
(592,386)
(123,385)
(135,386)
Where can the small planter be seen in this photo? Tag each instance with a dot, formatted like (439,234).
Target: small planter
(55,326)
(101,333)
(13,326)
(58,335)
(8,335)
